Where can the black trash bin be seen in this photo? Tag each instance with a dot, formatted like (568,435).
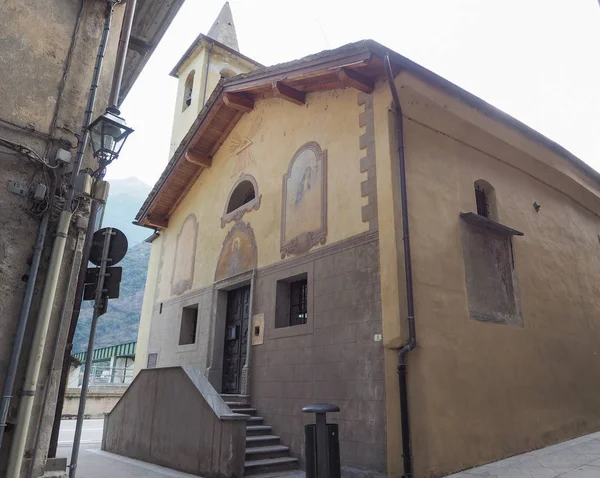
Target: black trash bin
(322,443)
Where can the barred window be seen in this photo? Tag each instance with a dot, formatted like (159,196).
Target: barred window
(298,302)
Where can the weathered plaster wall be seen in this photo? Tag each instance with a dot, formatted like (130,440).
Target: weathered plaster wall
(481,391)
(276,129)
(35,40)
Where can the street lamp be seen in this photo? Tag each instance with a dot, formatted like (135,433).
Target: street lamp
(109,132)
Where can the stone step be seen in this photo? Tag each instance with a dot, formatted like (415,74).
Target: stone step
(253,467)
(245,411)
(254,430)
(261,440)
(269,451)
(237,405)
(254,420)
(233,398)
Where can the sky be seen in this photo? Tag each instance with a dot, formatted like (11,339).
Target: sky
(537,60)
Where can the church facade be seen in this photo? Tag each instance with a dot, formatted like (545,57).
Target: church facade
(278,263)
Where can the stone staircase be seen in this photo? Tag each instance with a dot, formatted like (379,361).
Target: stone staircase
(264,452)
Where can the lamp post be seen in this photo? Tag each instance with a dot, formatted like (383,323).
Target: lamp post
(108,132)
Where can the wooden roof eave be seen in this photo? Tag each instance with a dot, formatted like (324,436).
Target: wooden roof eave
(150,214)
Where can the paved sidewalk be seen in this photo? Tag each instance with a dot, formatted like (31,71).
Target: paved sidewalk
(578,458)
(95,463)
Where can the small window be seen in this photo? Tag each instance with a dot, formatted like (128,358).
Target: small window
(242,194)
(485,199)
(291,307)
(189,323)
(187,91)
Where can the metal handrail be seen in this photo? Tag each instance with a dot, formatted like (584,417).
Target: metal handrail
(101,375)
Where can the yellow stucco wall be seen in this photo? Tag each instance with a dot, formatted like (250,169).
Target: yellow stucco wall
(280,128)
(147,306)
(481,391)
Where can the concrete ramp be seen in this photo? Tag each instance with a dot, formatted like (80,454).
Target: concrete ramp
(173,417)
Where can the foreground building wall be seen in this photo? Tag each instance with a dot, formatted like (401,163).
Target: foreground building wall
(35,46)
(482,390)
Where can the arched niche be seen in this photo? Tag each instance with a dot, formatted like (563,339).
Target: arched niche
(185,256)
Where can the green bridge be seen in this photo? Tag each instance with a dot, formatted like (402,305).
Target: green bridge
(106,353)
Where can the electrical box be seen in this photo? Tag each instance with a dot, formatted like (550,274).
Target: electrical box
(101,189)
(40,192)
(81,222)
(63,156)
(83,184)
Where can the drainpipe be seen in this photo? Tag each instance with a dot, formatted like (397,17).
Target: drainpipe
(11,374)
(52,369)
(54,268)
(410,300)
(122,54)
(78,299)
(87,246)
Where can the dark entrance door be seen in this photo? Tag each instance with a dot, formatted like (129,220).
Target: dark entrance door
(236,338)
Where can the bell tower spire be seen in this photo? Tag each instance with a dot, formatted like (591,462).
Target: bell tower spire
(211,58)
(223,30)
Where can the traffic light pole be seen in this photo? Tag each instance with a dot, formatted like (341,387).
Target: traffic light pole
(98,311)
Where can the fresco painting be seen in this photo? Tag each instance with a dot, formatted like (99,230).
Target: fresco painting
(239,252)
(304,200)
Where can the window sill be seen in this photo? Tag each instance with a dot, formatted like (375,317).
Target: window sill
(186,348)
(291,331)
(485,223)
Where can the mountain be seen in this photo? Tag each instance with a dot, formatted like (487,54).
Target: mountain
(121,321)
(124,201)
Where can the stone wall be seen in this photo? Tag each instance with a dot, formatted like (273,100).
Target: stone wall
(100,400)
(333,358)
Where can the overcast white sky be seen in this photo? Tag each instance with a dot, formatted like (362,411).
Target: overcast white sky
(538,60)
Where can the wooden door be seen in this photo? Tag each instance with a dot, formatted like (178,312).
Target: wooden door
(236,338)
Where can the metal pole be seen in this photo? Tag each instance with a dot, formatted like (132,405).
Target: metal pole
(64,380)
(11,373)
(98,306)
(321,436)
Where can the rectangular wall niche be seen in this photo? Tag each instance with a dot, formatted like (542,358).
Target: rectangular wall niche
(189,323)
(291,302)
(492,288)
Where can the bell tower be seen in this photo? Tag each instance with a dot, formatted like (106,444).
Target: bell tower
(211,57)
